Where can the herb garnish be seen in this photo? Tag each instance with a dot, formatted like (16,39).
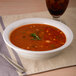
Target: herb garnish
(35,36)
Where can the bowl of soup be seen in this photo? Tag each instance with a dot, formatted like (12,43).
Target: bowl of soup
(37,38)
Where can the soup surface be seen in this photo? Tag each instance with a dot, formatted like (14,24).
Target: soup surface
(37,37)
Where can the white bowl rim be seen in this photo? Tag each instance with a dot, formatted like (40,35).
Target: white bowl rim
(37,52)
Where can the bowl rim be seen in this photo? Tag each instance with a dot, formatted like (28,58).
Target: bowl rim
(37,52)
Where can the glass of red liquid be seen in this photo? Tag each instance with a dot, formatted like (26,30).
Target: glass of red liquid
(56,7)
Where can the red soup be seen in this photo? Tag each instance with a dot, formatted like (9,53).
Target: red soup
(37,37)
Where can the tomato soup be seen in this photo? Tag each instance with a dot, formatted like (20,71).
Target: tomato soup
(37,37)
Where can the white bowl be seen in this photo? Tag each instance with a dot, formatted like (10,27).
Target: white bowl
(37,54)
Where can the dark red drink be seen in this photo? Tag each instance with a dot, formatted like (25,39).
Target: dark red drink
(57,7)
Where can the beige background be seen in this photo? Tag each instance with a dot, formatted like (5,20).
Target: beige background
(28,6)
(25,6)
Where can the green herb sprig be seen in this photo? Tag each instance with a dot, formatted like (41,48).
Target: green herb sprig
(35,36)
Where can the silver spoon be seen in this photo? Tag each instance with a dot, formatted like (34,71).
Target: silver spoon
(19,68)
